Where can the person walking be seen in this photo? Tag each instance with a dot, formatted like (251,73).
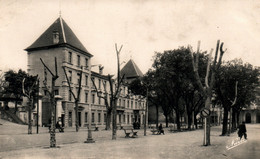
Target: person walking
(242,131)
(160,128)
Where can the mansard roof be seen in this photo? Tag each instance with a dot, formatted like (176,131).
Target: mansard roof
(131,70)
(66,37)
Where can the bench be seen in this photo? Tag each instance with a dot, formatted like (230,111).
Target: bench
(94,127)
(154,130)
(61,129)
(171,128)
(129,130)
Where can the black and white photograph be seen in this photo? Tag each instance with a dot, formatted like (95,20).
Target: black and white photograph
(129,79)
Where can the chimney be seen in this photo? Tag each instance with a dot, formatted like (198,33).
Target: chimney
(101,69)
(55,36)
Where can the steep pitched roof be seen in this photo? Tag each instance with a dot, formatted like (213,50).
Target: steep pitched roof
(131,70)
(66,36)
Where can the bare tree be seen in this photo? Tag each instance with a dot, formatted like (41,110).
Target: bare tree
(115,92)
(52,95)
(106,101)
(76,98)
(206,90)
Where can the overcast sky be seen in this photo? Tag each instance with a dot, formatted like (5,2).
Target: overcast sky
(141,26)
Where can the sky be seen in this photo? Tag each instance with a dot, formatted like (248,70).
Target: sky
(143,27)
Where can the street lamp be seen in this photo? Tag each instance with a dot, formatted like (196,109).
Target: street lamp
(90,139)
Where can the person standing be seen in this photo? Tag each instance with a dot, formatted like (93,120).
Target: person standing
(242,131)
(161,129)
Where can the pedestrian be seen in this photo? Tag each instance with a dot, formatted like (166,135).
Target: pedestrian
(59,125)
(242,131)
(160,128)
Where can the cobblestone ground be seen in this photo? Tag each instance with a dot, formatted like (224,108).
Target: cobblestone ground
(182,145)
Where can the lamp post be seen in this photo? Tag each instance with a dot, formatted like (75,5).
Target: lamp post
(90,139)
(146,112)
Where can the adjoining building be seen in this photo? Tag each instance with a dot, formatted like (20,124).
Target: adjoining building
(59,41)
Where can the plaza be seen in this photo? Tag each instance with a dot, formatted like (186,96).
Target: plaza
(15,143)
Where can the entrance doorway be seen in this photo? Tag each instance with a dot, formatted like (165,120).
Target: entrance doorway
(70,119)
(79,115)
(62,119)
(258,117)
(248,118)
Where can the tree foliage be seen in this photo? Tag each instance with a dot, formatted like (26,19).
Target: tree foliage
(14,84)
(246,76)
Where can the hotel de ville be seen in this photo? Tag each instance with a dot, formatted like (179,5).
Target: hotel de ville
(59,41)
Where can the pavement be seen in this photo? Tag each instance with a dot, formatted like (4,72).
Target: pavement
(15,143)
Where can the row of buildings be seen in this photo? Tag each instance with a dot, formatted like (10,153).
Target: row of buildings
(59,41)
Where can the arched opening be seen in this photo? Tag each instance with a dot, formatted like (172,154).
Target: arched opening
(248,118)
(258,117)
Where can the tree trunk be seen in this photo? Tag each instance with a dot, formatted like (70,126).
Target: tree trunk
(225,122)
(195,121)
(114,120)
(157,116)
(234,127)
(207,124)
(108,122)
(178,121)
(15,106)
(189,114)
(166,120)
(30,116)
(52,130)
(77,116)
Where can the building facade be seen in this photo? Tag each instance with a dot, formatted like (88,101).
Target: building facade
(59,41)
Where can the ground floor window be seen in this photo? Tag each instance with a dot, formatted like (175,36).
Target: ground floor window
(93,117)
(99,117)
(86,117)
(105,117)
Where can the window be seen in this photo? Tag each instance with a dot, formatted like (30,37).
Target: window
(99,83)
(99,100)
(120,102)
(86,97)
(123,118)
(136,105)
(86,117)
(70,96)
(123,103)
(77,89)
(70,57)
(92,82)
(86,62)
(132,103)
(127,103)
(127,119)
(56,92)
(99,117)
(105,85)
(93,98)
(93,117)
(78,78)
(119,116)
(86,80)
(78,60)
(70,76)
(105,117)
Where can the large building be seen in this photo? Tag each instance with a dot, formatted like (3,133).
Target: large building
(59,41)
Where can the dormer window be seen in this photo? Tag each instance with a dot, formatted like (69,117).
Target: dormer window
(55,36)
